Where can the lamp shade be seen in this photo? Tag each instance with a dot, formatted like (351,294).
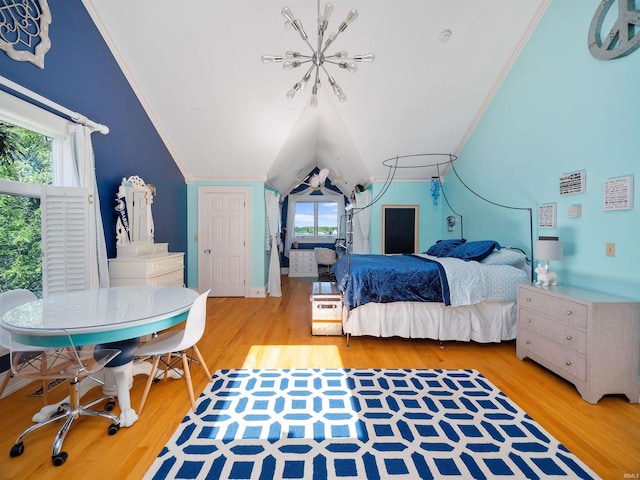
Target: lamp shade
(549,250)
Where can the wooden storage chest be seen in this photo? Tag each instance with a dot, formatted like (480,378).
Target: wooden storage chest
(326,309)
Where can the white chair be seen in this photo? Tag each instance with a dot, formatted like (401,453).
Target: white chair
(176,343)
(8,301)
(325,257)
(70,362)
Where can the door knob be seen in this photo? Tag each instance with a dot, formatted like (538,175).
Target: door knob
(207,251)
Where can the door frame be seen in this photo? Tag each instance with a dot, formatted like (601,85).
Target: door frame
(203,190)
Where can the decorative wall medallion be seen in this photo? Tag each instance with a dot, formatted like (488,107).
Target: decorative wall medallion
(624,36)
(24,30)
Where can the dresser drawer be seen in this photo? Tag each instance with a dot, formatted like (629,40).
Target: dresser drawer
(570,336)
(556,356)
(171,279)
(552,306)
(145,267)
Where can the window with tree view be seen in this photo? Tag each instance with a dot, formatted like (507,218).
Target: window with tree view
(26,159)
(316,219)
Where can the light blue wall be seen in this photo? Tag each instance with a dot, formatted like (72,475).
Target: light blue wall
(559,111)
(259,257)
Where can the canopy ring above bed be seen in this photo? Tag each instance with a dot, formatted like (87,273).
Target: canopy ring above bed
(450,158)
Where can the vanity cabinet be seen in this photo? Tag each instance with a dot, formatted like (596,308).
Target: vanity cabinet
(156,269)
(589,338)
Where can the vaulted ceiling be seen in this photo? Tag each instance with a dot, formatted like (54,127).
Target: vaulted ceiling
(224,116)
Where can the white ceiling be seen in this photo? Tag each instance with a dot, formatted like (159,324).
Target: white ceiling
(223,114)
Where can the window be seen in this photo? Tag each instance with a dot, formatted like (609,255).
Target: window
(31,145)
(316,219)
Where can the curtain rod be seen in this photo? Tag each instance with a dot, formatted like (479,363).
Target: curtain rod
(74,116)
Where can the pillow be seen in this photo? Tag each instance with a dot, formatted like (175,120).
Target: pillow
(442,247)
(473,250)
(504,256)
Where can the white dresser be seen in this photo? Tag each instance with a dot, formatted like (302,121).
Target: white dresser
(302,263)
(589,338)
(147,266)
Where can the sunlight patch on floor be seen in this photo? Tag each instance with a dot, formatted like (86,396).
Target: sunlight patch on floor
(293,356)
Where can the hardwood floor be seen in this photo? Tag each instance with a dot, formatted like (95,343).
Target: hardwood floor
(275,333)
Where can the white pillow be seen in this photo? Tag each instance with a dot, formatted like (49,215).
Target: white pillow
(504,256)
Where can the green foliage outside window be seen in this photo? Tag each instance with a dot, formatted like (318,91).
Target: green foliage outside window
(26,157)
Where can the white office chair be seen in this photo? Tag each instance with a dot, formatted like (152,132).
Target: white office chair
(64,362)
(8,301)
(176,343)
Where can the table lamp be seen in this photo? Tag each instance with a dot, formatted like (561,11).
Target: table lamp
(549,249)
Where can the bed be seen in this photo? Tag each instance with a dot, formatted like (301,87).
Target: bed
(457,290)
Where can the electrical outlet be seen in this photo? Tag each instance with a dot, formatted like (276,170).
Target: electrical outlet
(611,250)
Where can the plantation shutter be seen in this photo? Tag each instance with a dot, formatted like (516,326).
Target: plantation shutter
(65,239)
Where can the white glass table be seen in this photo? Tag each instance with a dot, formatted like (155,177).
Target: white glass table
(99,316)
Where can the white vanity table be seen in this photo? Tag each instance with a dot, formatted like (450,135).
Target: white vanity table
(140,261)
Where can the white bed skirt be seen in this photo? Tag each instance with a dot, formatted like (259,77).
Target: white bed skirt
(484,322)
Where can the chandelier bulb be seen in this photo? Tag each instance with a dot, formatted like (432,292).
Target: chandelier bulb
(290,64)
(351,16)
(348,66)
(291,93)
(288,25)
(330,39)
(271,58)
(328,10)
(314,101)
(286,13)
(291,54)
(369,57)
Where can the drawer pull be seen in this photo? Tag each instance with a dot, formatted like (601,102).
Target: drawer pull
(528,299)
(568,363)
(569,337)
(528,342)
(528,320)
(330,305)
(569,312)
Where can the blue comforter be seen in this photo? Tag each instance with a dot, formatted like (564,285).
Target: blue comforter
(395,278)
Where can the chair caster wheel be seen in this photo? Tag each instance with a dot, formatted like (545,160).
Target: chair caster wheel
(17,450)
(110,405)
(113,429)
(59,459)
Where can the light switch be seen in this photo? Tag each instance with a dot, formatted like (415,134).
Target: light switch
(611,250)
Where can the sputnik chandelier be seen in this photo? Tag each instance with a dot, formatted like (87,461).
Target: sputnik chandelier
(318,58)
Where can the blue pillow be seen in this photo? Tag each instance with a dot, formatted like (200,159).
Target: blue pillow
(442,247)
(477,251)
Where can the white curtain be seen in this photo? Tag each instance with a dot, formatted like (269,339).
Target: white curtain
(272,201)
(361,222)
(84,162)
(306,195)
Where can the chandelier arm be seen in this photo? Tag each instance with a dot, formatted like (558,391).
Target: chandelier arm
(313,50)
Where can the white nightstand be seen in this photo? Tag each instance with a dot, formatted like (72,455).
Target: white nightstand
(589,338)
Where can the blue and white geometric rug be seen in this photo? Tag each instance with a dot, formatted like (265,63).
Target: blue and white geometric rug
(357,424)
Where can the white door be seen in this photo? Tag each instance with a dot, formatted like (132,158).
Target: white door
(223,233)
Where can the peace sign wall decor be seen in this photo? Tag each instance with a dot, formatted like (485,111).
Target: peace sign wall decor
(624,36)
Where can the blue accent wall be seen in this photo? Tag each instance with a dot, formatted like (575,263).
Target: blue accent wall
(559,111)
(81,74)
